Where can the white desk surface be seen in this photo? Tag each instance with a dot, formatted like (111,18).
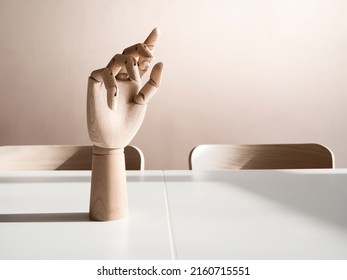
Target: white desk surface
(258,214)
(253,214)
(44,215)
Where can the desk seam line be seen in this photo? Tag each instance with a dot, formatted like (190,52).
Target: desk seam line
(171,235)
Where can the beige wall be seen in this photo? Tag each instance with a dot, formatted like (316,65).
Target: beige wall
(252,71)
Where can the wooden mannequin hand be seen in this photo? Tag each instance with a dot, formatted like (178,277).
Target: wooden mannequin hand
(116,110)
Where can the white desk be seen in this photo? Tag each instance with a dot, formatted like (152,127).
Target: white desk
(279,214)
(258,214)
(44,215)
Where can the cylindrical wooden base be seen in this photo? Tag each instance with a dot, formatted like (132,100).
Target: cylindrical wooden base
(108,196)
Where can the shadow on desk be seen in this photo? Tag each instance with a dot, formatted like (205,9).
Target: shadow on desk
(72,180)
(44,218)
(321,195)
(44,179)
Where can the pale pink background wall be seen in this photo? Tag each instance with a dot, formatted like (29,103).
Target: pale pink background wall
(251,71)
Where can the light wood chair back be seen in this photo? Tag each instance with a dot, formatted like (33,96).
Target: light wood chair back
(263,156)
(55,157)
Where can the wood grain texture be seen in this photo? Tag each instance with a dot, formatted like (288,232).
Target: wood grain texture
(116,106)
(108,196)
(117,98)
(264,156)
(60,157)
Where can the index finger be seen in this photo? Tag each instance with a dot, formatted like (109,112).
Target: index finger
(152,38)
(144,50)
(150,42)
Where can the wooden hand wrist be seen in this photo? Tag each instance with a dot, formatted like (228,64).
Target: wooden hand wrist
(108,197)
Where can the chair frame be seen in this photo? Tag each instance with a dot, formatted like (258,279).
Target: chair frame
(261,156)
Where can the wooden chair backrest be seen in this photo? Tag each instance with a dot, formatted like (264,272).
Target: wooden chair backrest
(59,157)
(262,156)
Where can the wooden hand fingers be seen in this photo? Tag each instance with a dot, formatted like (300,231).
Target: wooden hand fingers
(120,62)
(150,42)
(94,97)
(96,75)
(138,50)
(135,60)
(142,54)
(128,66)
(151,87)
(152,39)
(96,80)
(111,87)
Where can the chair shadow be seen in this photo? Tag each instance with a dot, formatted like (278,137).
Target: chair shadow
(44,217)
